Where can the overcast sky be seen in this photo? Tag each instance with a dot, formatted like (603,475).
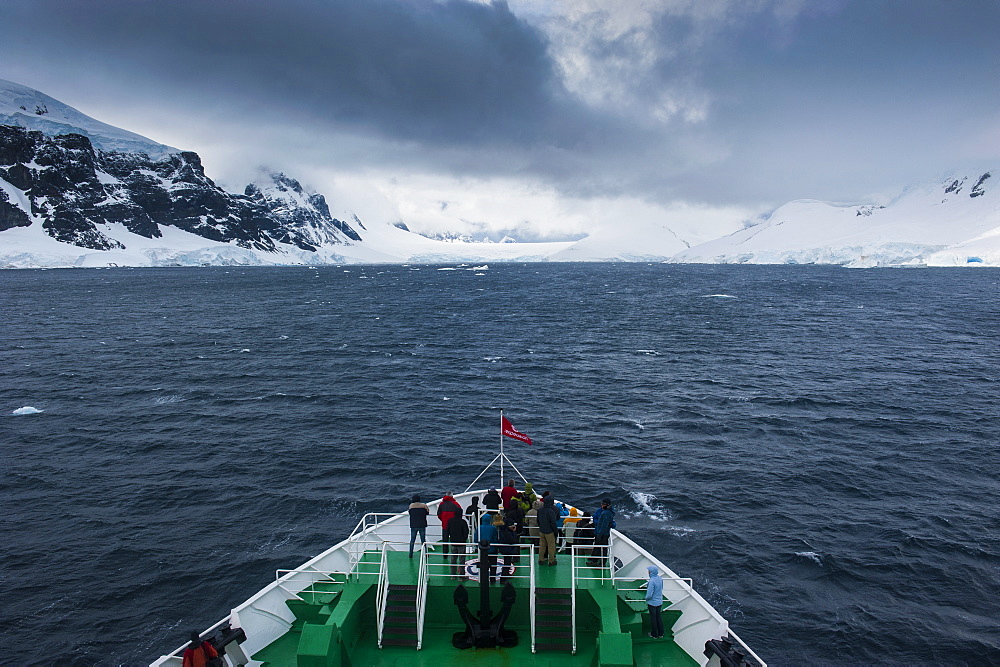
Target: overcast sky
(546,115)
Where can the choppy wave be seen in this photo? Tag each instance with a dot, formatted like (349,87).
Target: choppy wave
(27,410)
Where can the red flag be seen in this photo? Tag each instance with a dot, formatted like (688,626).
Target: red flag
(508,430)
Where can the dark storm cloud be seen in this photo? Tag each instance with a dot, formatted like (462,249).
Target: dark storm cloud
(714,101)
(453,72)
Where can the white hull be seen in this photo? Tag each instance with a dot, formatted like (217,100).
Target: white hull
(265,617)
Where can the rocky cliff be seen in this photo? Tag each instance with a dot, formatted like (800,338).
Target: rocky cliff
(78,193)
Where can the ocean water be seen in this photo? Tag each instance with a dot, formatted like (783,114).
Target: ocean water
(817,447)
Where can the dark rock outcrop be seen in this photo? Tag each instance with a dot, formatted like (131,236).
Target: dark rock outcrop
(77,191)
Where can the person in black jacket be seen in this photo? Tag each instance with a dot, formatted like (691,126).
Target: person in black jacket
(509,546)
(473,513)
(548,524)
(513,516)
(492,501)
(418,521)
(458,532)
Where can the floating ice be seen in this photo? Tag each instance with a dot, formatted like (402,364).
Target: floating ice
(27,410)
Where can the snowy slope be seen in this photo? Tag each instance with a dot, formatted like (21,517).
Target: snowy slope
(954,221)
(26,107)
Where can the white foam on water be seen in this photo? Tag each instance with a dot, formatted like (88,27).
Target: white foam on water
(166,400)
(718,296)
(650,353)
(27,410)
(492,360)
(645,502)
(811,555)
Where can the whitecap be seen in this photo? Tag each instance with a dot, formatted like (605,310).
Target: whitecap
(811,555)
(718,296)
(646,507)
(27,410)
(648,353)
(166,400)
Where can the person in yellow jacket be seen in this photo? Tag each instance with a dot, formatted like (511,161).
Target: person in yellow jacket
(569,527)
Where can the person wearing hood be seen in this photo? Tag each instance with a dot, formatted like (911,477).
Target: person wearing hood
(569,526)
(492,500)
(472,511)
(654,600)
(529,494)
(418,521)
(548,520)
(447,508)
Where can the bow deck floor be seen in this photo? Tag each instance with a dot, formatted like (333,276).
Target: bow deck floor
(335,622)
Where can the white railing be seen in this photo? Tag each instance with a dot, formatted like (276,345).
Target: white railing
(531,593)
(421,600)
(746,648)
(310,577)
(382,594)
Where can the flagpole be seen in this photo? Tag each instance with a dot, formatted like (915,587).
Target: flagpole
(501,448)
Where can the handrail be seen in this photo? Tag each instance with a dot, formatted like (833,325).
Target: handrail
(447,565)
(531,593)
(421,593)
(382,593)
(572,606)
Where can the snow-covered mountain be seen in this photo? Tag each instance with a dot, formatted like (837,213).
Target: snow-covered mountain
(952,221)
(26,107)
(77,192)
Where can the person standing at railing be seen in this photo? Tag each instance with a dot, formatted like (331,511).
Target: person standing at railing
(418,521)
(529,493)
(548,520)
(457,534)
(507,492)
(492,500)
(472,512)
(531,519)
(447,508)
(488,533)
(654,600)
(569,527)
(508,538)
(604,521)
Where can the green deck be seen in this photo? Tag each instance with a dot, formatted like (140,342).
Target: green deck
(335,624)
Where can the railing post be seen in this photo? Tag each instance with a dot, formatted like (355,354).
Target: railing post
(531,591)
(572,590)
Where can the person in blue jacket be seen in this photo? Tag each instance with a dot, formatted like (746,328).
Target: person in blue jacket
(654,600)
(488,533)
(604,521)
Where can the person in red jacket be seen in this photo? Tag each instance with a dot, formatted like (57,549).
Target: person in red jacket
(448,508)
(507,491)
(199,652)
